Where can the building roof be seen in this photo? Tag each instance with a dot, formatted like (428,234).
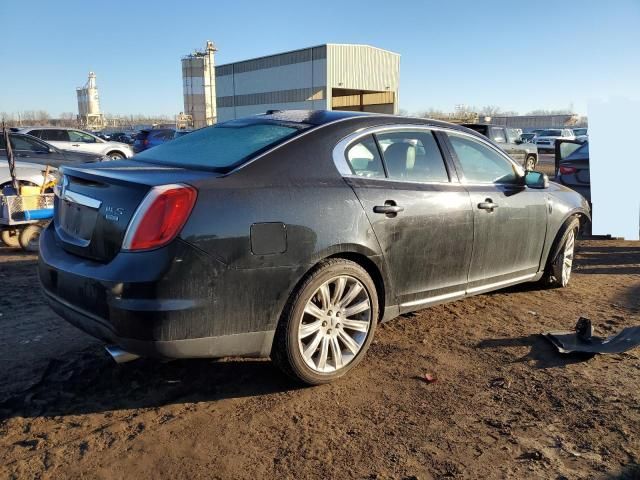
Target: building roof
(308,48)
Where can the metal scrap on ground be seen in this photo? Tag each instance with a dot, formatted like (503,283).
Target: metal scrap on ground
(582,340)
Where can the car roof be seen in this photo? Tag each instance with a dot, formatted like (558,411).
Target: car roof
(326,117)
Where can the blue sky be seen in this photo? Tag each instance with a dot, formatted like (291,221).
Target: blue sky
(541,55)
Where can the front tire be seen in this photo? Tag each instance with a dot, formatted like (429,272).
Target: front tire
(328,323)
(115,155)
(559,269)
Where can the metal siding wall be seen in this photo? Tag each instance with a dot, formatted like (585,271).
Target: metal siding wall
(278,76)
(361,67)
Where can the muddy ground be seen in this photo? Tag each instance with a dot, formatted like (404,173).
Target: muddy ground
(505,404)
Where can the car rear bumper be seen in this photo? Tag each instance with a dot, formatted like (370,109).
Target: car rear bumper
(149,303)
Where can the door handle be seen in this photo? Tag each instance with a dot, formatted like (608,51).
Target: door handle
(390,209)
(487,205)
(75,144)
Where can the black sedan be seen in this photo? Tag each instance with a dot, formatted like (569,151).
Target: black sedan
(27,148)
(572,164)
(292,234)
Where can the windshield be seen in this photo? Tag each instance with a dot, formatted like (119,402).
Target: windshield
(550,133)
(223,146)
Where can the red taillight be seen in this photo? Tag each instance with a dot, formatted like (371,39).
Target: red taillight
(145,142)
(160,217)
(568,170)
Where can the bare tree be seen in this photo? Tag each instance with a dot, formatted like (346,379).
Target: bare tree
(489,111)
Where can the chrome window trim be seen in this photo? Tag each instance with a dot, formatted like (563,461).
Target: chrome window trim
(340,157)
(286,142)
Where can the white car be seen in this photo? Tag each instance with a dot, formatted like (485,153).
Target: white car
(546,139)
(26,173)
(77,140)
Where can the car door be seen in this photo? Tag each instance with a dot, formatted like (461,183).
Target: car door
(419,212)
(510,219)
(32,150)
(83,142)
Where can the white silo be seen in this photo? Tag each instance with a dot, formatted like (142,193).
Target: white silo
(199,86)
(89,104)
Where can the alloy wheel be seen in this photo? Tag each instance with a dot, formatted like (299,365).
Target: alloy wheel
(334,324)
(567,257)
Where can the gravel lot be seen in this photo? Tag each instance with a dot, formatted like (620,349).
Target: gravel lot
(505,404)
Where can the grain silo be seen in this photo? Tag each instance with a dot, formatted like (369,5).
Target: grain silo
(89,114)
(199,86)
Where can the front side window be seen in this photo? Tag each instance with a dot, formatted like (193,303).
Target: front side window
(364,159)
(76,136)
(480,163)
(412,156)
(224,146)
(54,135)
(27,144)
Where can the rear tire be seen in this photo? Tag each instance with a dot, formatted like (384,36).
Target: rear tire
(558,271)
(30,238)
(10,238)
(328,323)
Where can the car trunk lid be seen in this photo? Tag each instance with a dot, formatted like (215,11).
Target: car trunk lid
(95,203)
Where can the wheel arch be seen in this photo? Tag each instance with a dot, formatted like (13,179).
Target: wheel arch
(582,218)
(115,150)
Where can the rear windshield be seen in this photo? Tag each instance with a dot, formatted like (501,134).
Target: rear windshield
(550,133)
(223,146)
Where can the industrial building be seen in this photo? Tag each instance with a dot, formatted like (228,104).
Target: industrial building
(89,115)
(330,76)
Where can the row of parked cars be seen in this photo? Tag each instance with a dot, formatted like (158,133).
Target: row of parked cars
(545,138)
(145,138)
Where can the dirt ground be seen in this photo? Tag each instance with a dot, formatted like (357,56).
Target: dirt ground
(505,404)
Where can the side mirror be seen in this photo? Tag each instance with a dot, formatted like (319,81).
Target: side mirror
(519,141)
(533,179)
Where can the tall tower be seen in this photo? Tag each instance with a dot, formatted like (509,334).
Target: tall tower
(89,114)
(199,86)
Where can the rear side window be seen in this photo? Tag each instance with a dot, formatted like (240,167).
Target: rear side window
(364,159)
(36,133)
(412,156)
(54,135)
(480,163)
(221,147)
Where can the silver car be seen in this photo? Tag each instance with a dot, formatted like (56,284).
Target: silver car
(73,139)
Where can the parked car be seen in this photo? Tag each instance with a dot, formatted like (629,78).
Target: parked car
(581,134)
(572,166)
(121,137)
(546,139)
(181,133)
(80,141)
(32,149)
(151,138)
(27,174)
(293,234)
(525,153)
(528,137)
